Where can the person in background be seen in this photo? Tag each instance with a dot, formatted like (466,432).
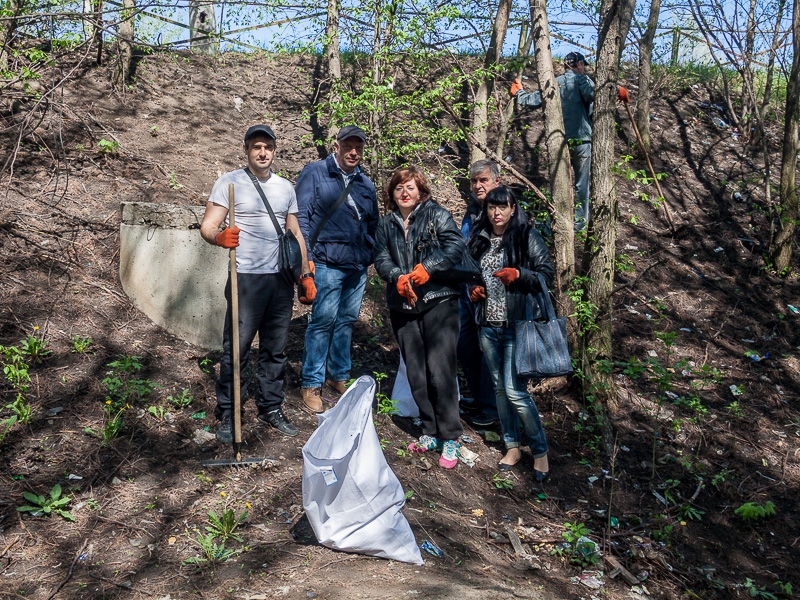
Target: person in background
(577,98)
(511,254)
(265,301)
(415,242)
(340,230)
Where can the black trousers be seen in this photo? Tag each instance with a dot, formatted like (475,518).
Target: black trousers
(265,307)
(428,345)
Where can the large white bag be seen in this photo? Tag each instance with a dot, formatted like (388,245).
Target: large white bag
(352,498)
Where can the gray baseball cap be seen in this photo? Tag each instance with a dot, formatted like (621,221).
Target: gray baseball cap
(349,131)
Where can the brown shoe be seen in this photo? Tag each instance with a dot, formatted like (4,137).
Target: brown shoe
(339,386)
(312,401)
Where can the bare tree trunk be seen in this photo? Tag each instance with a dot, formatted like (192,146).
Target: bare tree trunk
(781,248)
(382,39)
(523,52)
(645,59)
(480,111)
(600,249)
(7,28)
(125,59)
(97,33)
(747,61)
(560,169)
(334,60)
(203,22)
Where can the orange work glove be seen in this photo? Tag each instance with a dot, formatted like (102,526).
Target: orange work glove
(623,95)
(477,293)
(228,238)
(419,276)
(311,267)
(515,87)
(507,275)
(309,290)
(405,290)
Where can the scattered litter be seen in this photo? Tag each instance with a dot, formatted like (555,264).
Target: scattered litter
(686,329)
(630,247)
(116,481)
(73,476)
(593,478)
(498,537)
(660,498)
(57,409)
(614,522)
(18,477)
(652,353)
(490,436)
(135,543)
(586,548)
(172,539)
(198,415)
(718,249)
(417,421)
(793,309)
(467,456)
(431,549)
(624,448)
(237,103)
(632,310)
(477,512)
(467,439)
(754,356)
(735,135)
(671,395)
(746,341)
(591,579)
(201,437)
(736,390)
(738,197)
(720,123)
(648,316)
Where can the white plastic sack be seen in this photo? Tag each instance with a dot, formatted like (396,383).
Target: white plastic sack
(352,498)
(401,393)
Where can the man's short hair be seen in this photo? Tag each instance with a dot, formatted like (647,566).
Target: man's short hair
(573,58)
(479,166)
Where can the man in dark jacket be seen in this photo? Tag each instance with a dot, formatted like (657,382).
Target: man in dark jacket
(484,176)
(338,215)
(577,99)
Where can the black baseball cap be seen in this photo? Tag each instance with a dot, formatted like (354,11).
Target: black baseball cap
(349,131)
(259,129)
(574,58)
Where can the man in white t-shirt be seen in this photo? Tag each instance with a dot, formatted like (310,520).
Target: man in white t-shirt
(265,300)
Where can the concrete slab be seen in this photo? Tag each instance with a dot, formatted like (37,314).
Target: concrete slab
(170,273)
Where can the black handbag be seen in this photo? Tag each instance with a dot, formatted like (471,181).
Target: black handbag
(290,259)
(541,346)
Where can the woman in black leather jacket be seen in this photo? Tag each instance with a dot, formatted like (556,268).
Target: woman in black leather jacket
(510,254)
(414,245)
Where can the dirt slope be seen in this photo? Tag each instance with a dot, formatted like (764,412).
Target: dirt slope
(727,432)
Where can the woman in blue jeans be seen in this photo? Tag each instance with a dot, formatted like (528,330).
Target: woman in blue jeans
(511,254)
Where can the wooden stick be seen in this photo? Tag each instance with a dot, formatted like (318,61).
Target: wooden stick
(237,391)
(652,171)
(497,159)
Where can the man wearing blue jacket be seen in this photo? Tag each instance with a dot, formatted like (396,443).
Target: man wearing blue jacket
(338,215)
(577,99)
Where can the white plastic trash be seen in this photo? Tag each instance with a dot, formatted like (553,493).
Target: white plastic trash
(352,498)
(401,393)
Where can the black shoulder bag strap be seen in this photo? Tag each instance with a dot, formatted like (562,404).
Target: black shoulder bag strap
(261,193)
(329,214)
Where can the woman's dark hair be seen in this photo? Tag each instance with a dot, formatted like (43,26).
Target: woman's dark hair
(402,175)
(515,238)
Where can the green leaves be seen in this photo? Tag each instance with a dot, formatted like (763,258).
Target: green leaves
(54,503)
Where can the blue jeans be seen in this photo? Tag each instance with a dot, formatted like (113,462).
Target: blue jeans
(582,166)
(514,403)
(330,324)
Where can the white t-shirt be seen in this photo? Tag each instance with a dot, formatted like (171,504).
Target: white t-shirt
(258,241)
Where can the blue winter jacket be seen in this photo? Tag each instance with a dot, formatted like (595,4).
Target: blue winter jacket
(346,240)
